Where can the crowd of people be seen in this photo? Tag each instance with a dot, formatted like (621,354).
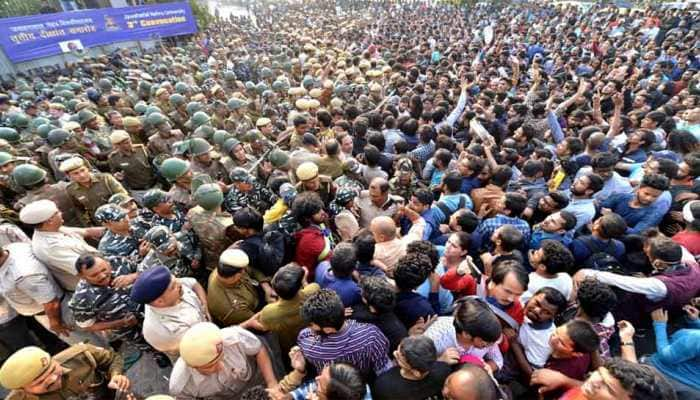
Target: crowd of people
(389,201)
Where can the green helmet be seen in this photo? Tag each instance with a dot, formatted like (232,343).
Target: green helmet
(219,137)
(193,107)
(75,86)
(28,175)
(261,87)
(199,180)
(85,115)
(153,109)
(19,120)
(67,94)
(140,107)
(6,158)
(230,144)
(266,73)
(9,134)
(279,86)
(58,137)
(71,104)
(199,118)
(156,119)
(204,131)
(176,100)
(207,74)
(236,103)
(229,76)
(38,121)
(181,148)
(154,197)
(181,88)
(278,158)
(199,146)
(43,130)
(27,95)
(173,168)
(209,196)
(249,85)
(307,82)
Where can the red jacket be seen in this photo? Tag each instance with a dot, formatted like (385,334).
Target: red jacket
(464,285)
(309,246)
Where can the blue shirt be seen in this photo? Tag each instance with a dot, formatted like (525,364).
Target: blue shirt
(346,288)
(638,219)
(615,184)
(391,136)
(483,232)
(538,235)
(367,269)
(452,202)
(468,184)
(581,252)
(410,306)
(432,225)
(444,295)
(583,209)
(679,359)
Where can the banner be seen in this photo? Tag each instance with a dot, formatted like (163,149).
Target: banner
(36,36)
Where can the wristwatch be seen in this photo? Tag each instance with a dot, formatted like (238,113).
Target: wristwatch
(627,344)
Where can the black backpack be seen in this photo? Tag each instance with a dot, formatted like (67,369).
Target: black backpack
(601,259)
(279,248)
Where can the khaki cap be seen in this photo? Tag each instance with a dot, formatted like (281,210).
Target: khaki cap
(71,164)
(23,367)
(235,258)
(201,344)
(307,171)
(131,121)
(118,136)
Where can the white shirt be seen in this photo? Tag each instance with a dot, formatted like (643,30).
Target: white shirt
(25,282)
(163,327)
(444,336)
(59,251)
(239,372)
(535,342)
(652,288)
(562,282)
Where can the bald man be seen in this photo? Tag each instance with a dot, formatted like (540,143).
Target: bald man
(389,246)
(469,383)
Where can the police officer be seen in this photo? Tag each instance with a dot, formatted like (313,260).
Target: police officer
(94,137)
(139,218)
(203,162)
(172,306)
(225,363)
(119,239)
(101,302)
(209,222)
(89,190)
(233,296)
(235,155)
(311,181)
(238,123)
(64,145)
(256,144)
(164,211)
(179,114)
(82,369)
(246,191)
(179,173)
(130,164)
(174,250)
(162,141)
(33,180)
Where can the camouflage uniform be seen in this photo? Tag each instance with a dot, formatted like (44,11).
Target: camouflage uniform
(179,120)
(259,197)
(174,224)
(405,191)
(99,138)
(210,227)
(215,169)
(142,223)
(182,198)
(113,244)
(345,182)
(179,265)
(239,125)
(160,145)
(92,304)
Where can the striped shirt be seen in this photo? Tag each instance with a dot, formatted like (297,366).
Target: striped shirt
(361,345)
(444,336)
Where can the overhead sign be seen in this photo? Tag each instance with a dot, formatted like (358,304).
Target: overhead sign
(36,36)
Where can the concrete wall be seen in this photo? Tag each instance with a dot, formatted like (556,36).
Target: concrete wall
(8,68)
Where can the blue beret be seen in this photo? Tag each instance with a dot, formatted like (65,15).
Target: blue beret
(150,284)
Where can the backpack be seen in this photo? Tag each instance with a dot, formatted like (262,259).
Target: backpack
(601,259)
(446,209)
(278,247)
